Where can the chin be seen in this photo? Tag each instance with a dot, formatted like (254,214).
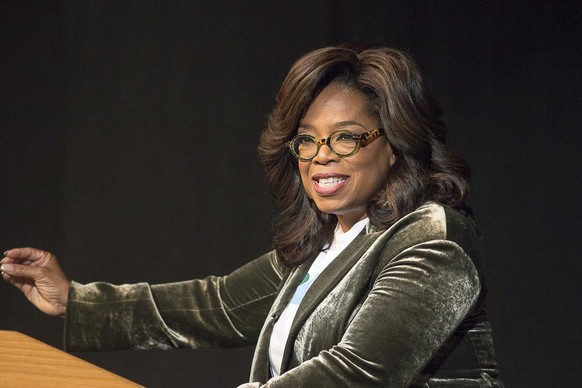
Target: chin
(330,208)
(333,210)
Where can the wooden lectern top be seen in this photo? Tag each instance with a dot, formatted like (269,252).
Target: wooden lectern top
(26,362)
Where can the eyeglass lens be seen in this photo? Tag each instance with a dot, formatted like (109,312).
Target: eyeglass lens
(341,142)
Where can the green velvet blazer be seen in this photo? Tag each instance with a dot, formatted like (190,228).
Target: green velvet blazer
(397,308)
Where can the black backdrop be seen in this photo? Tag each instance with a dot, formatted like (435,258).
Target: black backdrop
(128,132)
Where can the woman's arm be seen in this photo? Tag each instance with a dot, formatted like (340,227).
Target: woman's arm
(212,312)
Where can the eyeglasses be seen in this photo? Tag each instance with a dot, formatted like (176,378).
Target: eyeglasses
(341,142)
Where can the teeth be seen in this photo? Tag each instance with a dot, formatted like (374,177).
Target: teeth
(327,182)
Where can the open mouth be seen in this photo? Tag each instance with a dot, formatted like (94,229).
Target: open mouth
(329,184)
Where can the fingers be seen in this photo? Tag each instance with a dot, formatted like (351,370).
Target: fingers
(11,275)
(26,263)
(5,276)
(31,254)
(21,271)
(17,282)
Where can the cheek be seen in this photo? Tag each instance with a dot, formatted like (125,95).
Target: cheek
(372,173)
(303,170)
(304,175)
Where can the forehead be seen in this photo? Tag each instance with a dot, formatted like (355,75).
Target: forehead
(336,103)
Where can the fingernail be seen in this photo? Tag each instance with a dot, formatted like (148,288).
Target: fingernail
(6,267)
(5,253)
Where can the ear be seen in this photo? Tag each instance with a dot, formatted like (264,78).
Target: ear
(391,153)
(393,158)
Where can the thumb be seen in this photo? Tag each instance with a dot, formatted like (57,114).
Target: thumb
(24,271)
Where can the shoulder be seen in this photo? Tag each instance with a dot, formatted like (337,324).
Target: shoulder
(432,222)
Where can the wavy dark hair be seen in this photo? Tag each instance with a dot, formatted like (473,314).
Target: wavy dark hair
(425,168)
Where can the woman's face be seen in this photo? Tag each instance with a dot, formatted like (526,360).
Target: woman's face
(343,186)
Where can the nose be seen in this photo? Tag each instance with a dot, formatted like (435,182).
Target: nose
(325,155)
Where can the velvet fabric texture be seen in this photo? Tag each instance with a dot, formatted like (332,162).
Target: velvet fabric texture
(397,308)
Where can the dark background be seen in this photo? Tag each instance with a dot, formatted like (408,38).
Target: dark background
(128,133)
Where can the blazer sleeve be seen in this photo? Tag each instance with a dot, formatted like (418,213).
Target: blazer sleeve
(416,302)
(212,312)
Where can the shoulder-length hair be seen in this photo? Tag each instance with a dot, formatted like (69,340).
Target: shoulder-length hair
(425,168)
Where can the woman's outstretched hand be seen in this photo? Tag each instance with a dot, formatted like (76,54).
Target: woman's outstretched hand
(39,276)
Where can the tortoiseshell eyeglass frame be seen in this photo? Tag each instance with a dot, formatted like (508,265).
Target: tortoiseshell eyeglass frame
(361,140)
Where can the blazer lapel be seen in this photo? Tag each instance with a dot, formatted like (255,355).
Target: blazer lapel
(260,366)
(321,287)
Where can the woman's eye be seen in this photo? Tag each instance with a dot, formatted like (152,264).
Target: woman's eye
(346,136)
(304,140)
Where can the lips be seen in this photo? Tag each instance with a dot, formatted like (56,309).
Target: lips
(329,184)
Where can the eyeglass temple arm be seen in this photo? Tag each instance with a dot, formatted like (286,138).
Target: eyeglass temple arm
(367,137)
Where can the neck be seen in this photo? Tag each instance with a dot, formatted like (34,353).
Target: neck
(346,222)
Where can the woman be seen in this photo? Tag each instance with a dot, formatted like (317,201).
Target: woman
(375,278)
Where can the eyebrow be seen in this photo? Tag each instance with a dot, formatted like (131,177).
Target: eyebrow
(339,124)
